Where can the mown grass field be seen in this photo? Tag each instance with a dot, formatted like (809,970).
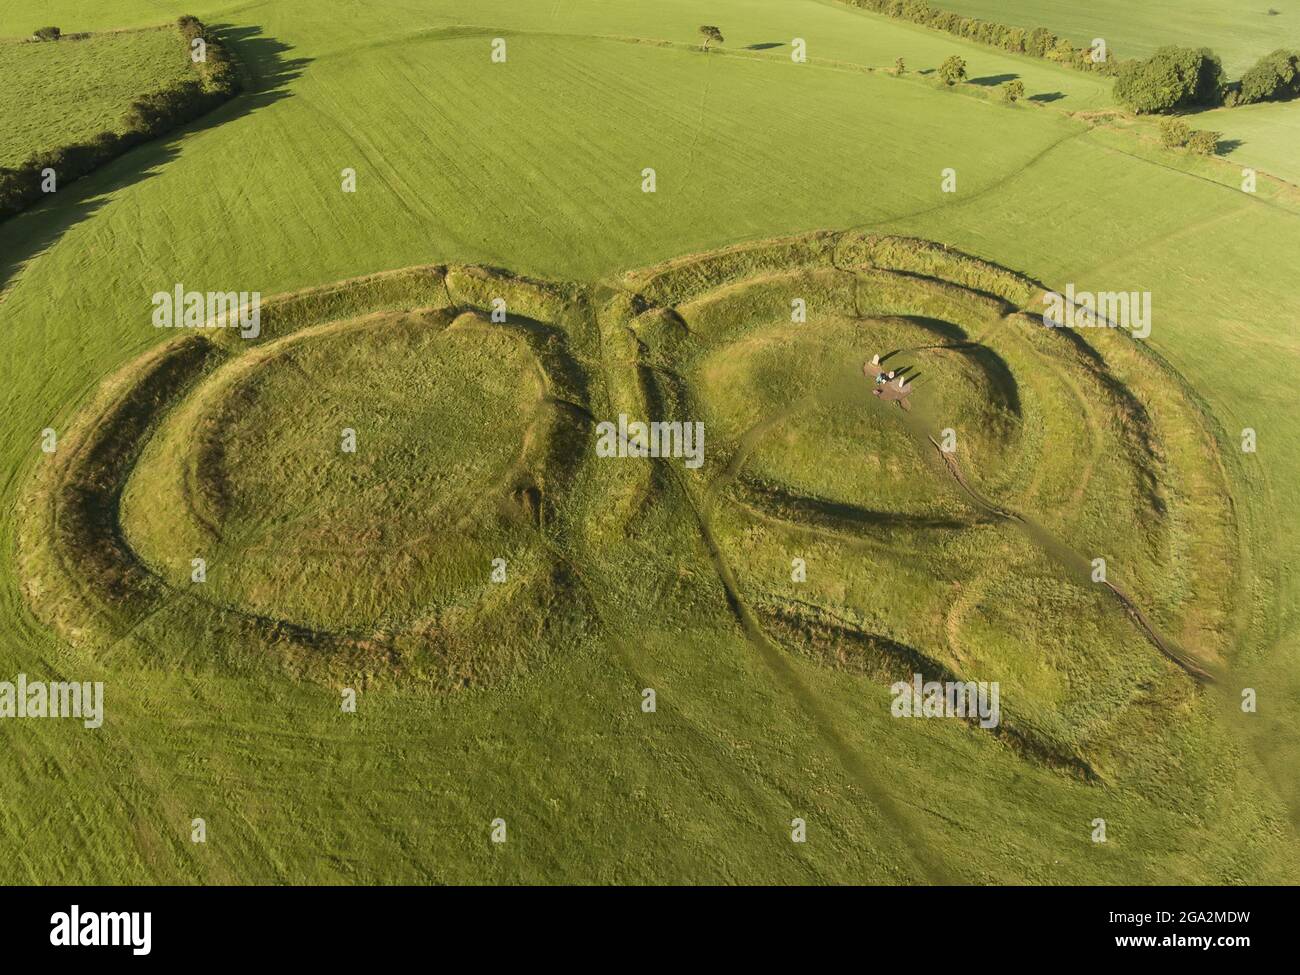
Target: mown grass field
(69,91)
(536,165)
(1262,136)
(1240,33)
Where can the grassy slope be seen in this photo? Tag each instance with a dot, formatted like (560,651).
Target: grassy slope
(403,791)
(68,91)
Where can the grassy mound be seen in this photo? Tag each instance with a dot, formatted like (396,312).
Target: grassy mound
(444,417)
(414,526)
(535,164)
(976,564)
(345,489)
(474,442)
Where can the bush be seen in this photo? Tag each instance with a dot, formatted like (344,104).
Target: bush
(47,33)
(1275,76)
(953,70)
(1013,91)
(1039,41)
(1173,77)
(190,27)
(1203,142)
(711,35)
(1062,51)
(1174,133)
(154,113)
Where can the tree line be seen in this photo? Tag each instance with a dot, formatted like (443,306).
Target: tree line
(1176,78)
(1037,42)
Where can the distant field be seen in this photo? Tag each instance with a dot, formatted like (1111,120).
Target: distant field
(66,91)
(1265,136)
(1238,30)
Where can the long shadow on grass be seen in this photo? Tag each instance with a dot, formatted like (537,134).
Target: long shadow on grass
(266,73)
(266,69)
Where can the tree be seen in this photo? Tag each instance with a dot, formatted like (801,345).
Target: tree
(47,34)
(1013,39)
(712,35)
(1039,41)
(900,67)
(1172,78)
(953,70)
(1174,133)
(1062,51)
(1013,91)
(1203,142)
(1274,76)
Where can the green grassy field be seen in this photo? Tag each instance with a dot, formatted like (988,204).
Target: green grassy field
(1263,136)
(777,711)
(1239,33)
(69,91)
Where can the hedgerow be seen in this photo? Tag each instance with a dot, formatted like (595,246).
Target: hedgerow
(1037,42)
